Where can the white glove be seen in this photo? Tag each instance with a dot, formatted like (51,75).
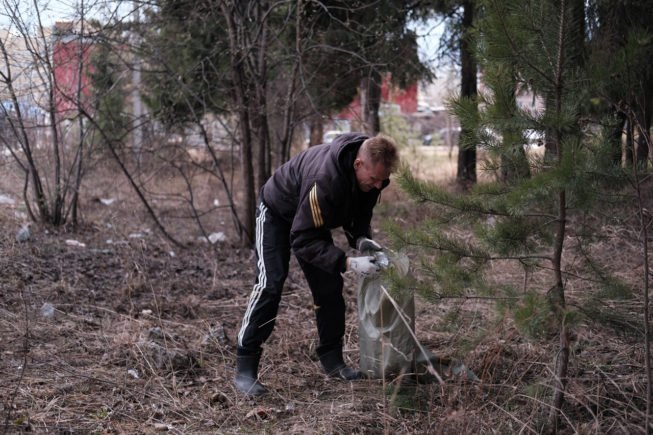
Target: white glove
(364,244)
(365,266)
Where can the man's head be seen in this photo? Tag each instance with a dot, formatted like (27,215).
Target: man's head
(377,158)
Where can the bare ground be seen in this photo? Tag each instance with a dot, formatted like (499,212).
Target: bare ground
(142,341)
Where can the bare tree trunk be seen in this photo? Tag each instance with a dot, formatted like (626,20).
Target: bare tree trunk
(288,125)
(316,130)
(371,102)
(137,127)
(466,173)
(258,66)
(514,164)
(615,133)
(557,292)
(243,104)
(644,124)
(79,158)
(630,143)
(55,217)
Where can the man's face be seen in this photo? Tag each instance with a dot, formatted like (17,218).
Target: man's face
(369,175)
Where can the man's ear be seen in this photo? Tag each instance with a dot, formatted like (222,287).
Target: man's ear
(357,163)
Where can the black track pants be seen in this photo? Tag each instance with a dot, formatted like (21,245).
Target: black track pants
(272,261)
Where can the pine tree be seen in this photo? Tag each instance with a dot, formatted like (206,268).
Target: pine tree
(537,211)
(106,75)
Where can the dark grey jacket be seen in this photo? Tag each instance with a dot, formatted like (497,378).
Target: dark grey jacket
(316,191)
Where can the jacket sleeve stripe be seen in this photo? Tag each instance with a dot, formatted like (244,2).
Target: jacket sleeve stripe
(315,207)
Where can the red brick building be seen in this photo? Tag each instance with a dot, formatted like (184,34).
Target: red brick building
(405,100)
(71,51)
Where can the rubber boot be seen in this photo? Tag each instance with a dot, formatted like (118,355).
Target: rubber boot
(335,367)
(246,379)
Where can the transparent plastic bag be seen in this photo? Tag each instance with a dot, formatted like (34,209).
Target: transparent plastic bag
(387,346)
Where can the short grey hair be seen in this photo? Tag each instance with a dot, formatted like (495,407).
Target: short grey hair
(381,149)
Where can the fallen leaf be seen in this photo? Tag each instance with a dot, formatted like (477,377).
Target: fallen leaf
(259,412)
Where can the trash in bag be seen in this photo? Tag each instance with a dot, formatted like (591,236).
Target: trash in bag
(386,329)
(387,347)
(427,363)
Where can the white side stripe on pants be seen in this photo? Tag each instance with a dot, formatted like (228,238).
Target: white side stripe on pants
(262,277)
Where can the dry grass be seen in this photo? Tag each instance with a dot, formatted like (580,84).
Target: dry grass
(143,341)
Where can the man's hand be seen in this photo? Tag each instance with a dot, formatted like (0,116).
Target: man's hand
(364,244)
(365,266)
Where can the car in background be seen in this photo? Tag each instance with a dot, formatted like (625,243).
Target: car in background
(330,135)
(449,136)
(531,138)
